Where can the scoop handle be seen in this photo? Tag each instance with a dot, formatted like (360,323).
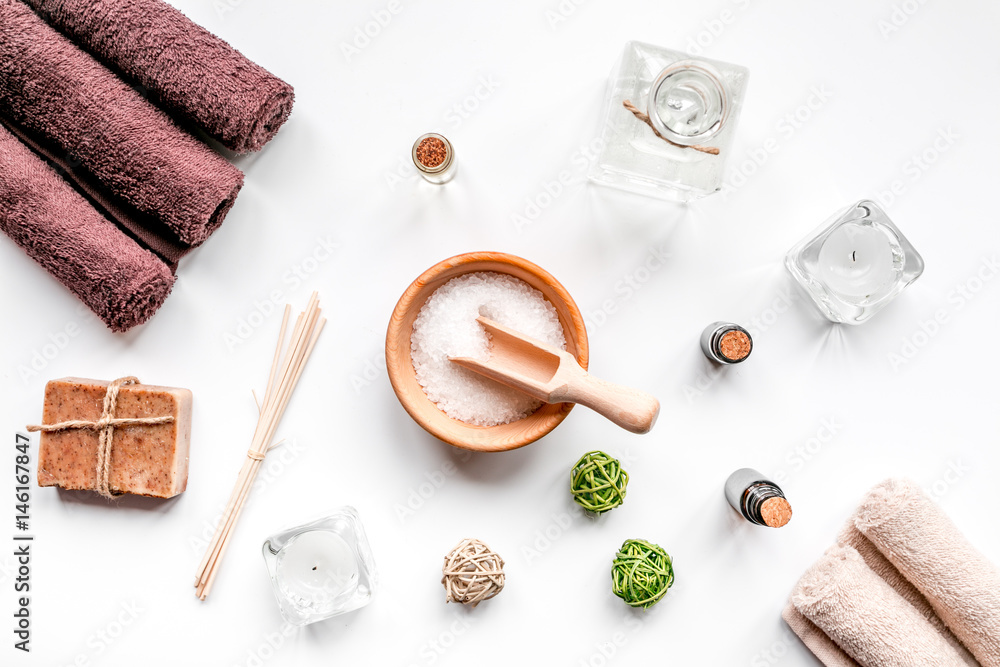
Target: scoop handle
(633,410)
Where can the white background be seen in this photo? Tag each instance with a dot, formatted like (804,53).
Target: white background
(880,96)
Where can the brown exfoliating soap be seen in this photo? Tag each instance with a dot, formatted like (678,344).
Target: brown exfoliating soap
(147,460)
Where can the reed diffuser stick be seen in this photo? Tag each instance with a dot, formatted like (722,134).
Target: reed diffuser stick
(281,382)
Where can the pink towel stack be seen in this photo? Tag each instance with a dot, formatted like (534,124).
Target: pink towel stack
(903,587)
(125,161)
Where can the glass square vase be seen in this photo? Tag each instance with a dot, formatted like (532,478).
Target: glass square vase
(694,103)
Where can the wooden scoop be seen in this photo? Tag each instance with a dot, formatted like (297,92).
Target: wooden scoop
(554,376)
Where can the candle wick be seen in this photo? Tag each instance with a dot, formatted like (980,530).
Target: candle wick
(315,566)
(854,256)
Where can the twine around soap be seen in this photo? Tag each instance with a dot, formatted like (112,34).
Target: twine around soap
(641,574)
(644,117)
(106,425)
(598,482)
(472,573)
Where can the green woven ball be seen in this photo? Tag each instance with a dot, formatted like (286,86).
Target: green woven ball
(598,482)
(641,574)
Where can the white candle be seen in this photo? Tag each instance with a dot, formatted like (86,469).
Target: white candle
(856,261)
(317,568)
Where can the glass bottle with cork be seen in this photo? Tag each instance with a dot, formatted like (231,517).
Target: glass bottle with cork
(669,121)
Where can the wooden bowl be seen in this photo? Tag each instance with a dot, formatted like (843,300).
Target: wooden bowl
(403,378)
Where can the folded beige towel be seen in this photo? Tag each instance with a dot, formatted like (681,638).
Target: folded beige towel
(866,617)
(816,640)
(961,585)
(944,606)
(877,563)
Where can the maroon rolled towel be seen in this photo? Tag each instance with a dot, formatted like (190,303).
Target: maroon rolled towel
(62,96)
(188,70)
(120,281)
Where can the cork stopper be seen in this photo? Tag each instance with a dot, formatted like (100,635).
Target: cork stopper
(735,345)
(776,512)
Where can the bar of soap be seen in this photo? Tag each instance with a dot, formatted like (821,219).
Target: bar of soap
(147,460)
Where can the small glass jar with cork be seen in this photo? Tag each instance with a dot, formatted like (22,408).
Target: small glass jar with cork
(434,157)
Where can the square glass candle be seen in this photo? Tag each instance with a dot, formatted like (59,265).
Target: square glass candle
(694,105)
(321,569)
(854,264)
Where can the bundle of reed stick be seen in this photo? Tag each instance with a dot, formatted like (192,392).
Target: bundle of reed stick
(284,375)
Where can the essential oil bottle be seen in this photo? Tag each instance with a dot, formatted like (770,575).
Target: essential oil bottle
(759,500)
(726,343)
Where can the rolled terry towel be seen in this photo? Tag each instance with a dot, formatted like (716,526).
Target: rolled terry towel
(922,543)
(147,230)
(121,282)
(188,70)
(816,640)
(880,565)
(62,96)
(869,620)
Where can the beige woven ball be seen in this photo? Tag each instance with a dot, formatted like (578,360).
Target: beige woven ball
(472,573)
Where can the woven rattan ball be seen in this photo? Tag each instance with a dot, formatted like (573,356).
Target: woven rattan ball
(598,482)
(472,573)
(641,574)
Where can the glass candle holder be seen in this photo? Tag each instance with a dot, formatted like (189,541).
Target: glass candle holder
(321,569)
(854,264)
(692,103)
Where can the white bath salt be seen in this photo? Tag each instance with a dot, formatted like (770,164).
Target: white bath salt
(446,326)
